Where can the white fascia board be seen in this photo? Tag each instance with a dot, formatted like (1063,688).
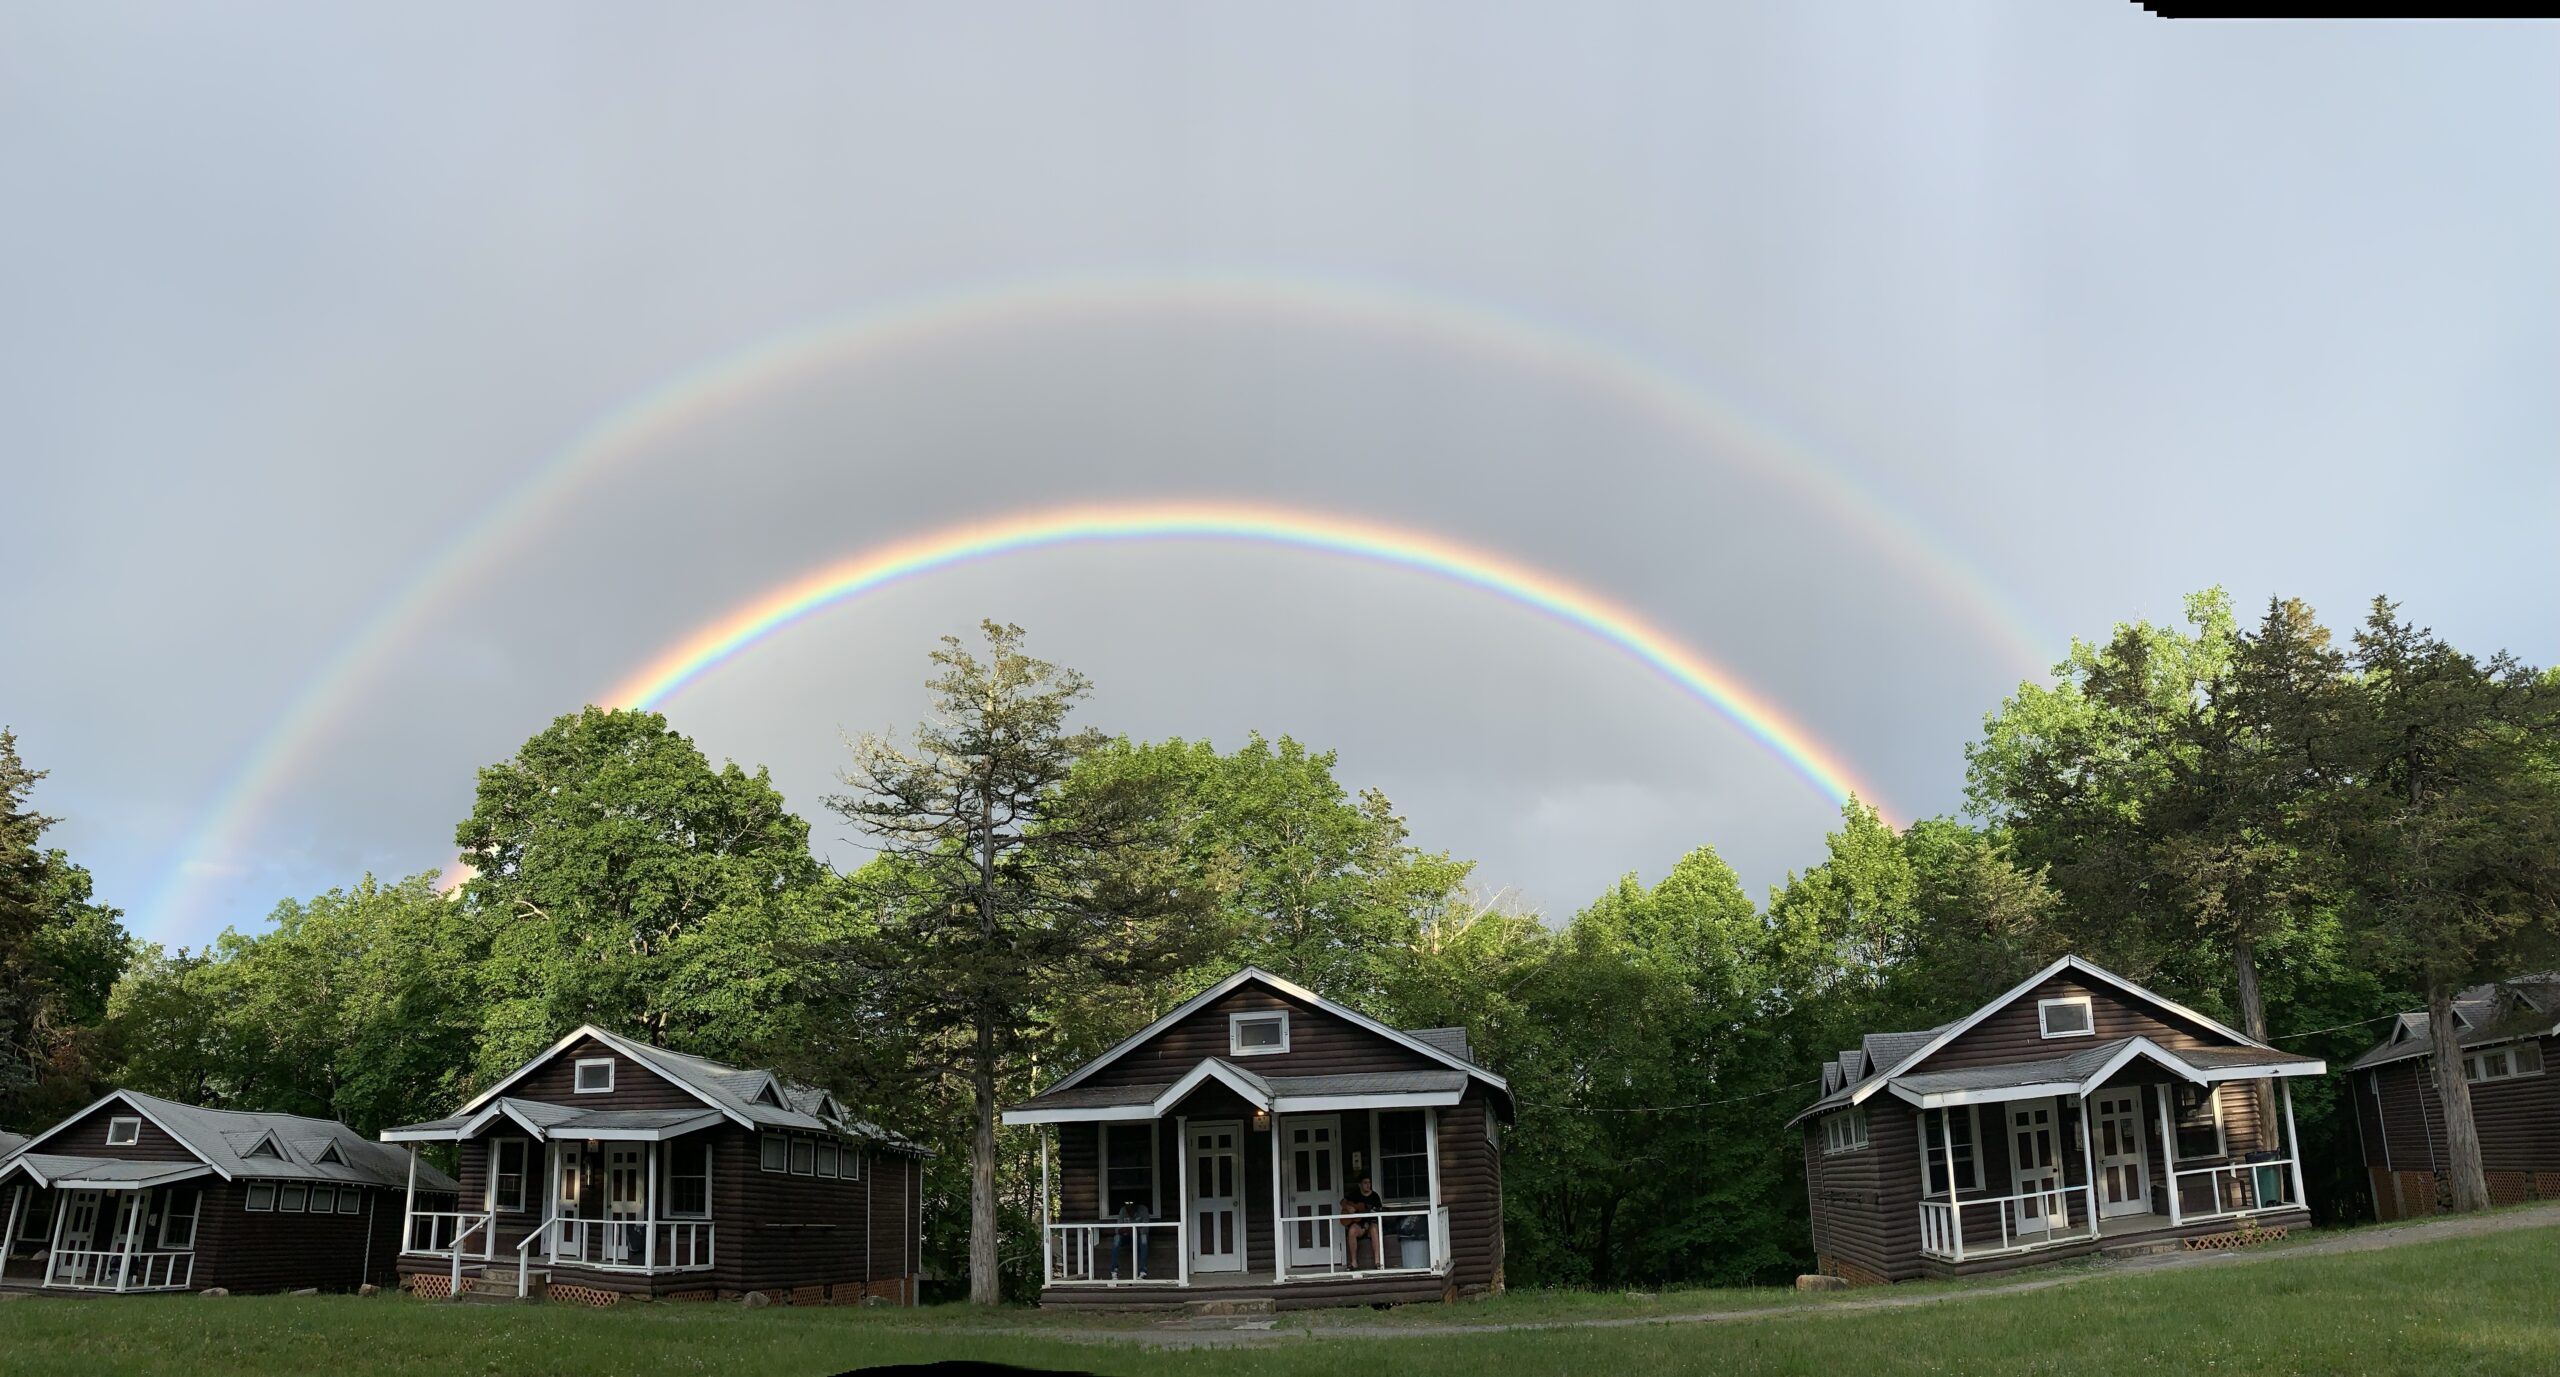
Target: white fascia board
(1295,991)
(137,1107)
(1946,1099)
(422,1135)
(571,1132)
(1211,1069)
(77,1183)
(20,1164)
(2060,964)
(2272,1071)
(1100,1114)
(540,1058)
(1317,1104)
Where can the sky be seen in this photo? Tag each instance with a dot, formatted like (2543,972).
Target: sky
(376,386)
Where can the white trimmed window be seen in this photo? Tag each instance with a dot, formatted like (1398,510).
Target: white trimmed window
(1404,1155)
(178,1225)
(292,1198)
(124,1132)
(804,1157)
(827,1160)
(2198,1112)
(595,1076)
(506,1175)
(2068,1017)
(849,1164)
(350,1199)
(689,1183)
(1258,1034)
(324,1200)
(1845,1130)
(1128,1169)
(2502,1063)
(775,1153)
(262,1197)
(1941,1129)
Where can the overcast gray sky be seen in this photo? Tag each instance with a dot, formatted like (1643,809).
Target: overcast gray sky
(2103,308)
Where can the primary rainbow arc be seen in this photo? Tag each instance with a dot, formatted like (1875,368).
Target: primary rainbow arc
(732,634)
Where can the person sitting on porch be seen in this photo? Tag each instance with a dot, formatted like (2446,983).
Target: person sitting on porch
(1363,1200)
(1130,1212)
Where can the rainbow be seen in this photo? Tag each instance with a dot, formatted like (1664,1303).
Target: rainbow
(734,633)
(1500,338)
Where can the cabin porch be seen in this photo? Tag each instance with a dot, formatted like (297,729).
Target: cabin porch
(1224,1193)
(2139,1158)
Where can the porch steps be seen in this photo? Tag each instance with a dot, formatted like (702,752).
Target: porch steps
(498,1286)
(1234,1305)
(2145,1247)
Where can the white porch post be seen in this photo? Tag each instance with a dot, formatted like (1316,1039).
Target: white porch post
(2293,1145)
(2088,1168)
(1279,1212)
(53,1250)
(1048,1266)
(8,1240)
(1431,1167)
(1182,1200)
(409,1207)
(1947,1145)
(551,1203)
(2169,1150)
(132,1231)
(649,1211)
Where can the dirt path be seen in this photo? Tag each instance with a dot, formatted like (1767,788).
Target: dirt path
(1209,1333)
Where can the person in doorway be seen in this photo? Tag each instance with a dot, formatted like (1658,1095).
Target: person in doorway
(1363,1201)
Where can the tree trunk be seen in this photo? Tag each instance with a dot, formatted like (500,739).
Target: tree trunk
(2253,1021)
(986,1287)
(2467,1186)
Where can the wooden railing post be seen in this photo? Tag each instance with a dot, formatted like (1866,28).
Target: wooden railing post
(1955,1212)
(409,1206)
(1279,1212)
(1182,1201)
(1048,1268)
(2169,1150)
(9,1239)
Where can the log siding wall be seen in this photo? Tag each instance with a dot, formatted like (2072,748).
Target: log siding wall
(2518,1121)
(1320,1043)
(1864,1206)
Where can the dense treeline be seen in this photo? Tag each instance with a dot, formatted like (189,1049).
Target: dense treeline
(2294,835)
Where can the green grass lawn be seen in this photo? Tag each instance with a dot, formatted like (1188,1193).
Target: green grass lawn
(2464,1306)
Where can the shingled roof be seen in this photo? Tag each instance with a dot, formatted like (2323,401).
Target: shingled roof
(238,1145)
(2527,1006)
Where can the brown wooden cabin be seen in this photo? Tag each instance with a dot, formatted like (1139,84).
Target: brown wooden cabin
(2075,1113)
(606,1169)
(2509,1033)
(1207,1158)
(137,1193)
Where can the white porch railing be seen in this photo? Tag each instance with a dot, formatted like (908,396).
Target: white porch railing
(1384,1251)
(2237,1188)
(2028,1220)
(619,1245)
(1099,1252)
(112,1269)
(439,1233)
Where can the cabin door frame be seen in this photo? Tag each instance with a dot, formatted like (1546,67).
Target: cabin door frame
(1215,1211)
(2035,1163)
(2123,1159)
(1311,1187)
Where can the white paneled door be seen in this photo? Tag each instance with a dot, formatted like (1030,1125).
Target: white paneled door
(1217,1197)
(2124,1169)
(1311,1187)
(2034,1165)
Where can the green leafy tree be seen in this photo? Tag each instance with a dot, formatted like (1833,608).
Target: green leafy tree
(1004,885)
(2445,807)
(626,882)
(60,954)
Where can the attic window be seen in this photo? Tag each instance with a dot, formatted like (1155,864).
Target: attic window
(766,1094)
(265,1147)
(123,1132)
(595,1076)
(331,1154)
(2065,1018)
(1258,1035)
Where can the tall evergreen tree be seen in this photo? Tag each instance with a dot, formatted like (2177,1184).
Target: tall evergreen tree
(1002,886)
